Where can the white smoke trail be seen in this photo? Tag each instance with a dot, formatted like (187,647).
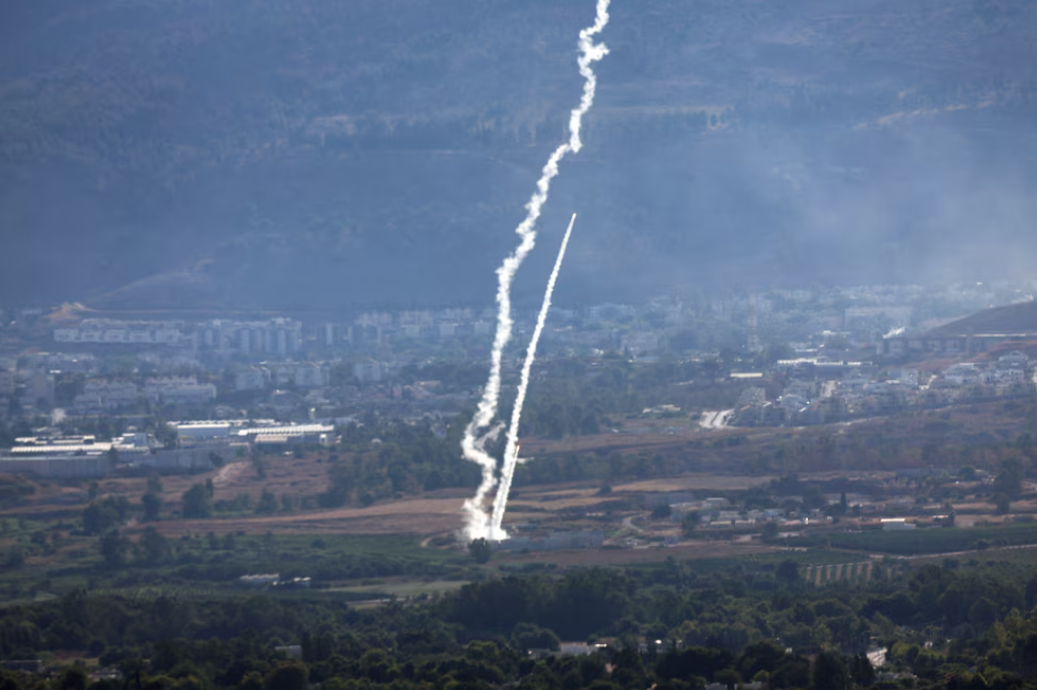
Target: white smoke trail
(473,446)
(500,503)
(477,522)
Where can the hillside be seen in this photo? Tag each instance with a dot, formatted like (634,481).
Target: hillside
(1014,319)
(292,154)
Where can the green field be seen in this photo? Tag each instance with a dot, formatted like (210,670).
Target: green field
(208,565)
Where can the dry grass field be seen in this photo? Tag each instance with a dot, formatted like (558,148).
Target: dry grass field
(419,517)
(692,482)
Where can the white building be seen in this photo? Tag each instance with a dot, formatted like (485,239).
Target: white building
(252,379)
(122,332)
(300,374)
(368,371)
(100,396)
(196,431)
(311,375)
(1008,376)
(897,525)
(189,394)
(909,377)
(319,433)
(965,374)
(39,385)
(279,336)
(153,387)
(1013,360)
(853,383)
(412,330)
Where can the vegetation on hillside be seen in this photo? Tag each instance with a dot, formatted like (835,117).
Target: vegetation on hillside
(748,622)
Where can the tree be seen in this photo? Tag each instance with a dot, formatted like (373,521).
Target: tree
(829,672)
(1009,480)
(759,659)
(480,550)
(15,558)
(788,571)
(167,435)
(287,675)
(152,505)
(1031,592)
(662,511)
(258,466)
(814,497)
(73,678)
(155,547)
(114,548)
(101,516)
(98,518)
(982,613)
(251,681)
(267,503)
(861,670)
(527,636)
(792,672)
(154,483)
(196,502)
(1002,503)
(690,522)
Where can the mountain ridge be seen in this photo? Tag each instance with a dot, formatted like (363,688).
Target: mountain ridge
(382,152)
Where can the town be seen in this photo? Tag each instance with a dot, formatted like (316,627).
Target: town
(75,386)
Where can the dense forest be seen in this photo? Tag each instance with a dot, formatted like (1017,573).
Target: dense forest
(672,625)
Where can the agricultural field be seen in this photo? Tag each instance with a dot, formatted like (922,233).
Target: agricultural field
(946,541)
(270,513)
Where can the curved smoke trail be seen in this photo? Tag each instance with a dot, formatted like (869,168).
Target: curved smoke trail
(500,503)
(477,522)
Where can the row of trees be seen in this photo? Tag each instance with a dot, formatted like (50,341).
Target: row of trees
(748,624)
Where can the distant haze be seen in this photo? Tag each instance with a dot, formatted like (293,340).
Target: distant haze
(292,154)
